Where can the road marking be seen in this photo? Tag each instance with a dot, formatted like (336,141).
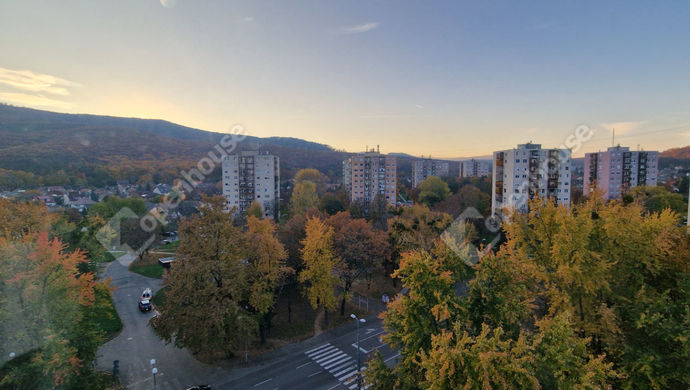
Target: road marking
(334,386)
(316,373)
(323,352)
(373,335)
(332,365)
(392,357)
(352,387)
(360,348)
(331,358)
(300,366)
(317,348)
(349,374)
(129,338)
(261,383)
(349,370)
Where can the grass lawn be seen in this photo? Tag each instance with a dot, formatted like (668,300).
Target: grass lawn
(159,297)
(107,319)
(169,247)
(380,284)
(148,266)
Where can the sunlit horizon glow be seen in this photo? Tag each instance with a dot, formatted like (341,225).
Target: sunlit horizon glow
(448,81)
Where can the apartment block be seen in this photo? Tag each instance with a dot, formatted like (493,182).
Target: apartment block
(474,168)
(368,174)
(252,176)
(617,170)
(528,172)
(421,169)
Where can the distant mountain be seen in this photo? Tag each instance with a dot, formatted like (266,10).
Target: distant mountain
(45,148)
(676,153)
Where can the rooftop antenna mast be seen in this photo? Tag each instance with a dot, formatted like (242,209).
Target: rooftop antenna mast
(613,138)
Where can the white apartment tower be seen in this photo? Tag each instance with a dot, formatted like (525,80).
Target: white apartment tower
(528,172)
(368,174)
(422,169)
(474,168)
(617,170)
(252,176)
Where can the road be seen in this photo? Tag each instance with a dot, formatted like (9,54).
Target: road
(137,344)
(327,361)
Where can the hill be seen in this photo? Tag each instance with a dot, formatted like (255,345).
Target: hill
(677,153)
(47,148)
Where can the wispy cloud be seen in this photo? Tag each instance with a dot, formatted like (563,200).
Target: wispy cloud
(168,3)
(247,19)
(622,127)
(25,99)
(360,28)
(36,82)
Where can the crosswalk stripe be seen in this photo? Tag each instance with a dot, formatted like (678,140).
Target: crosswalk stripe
(317,348)
(322,352)
(339,366)
(335,363)
(330,358)
(352,387)
(354,370)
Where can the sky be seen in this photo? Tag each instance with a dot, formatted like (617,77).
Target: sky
(440,78)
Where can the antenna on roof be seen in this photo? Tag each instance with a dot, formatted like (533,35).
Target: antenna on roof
(377,148)
(613,137)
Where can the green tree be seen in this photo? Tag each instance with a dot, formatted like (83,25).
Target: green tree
(208,273)
(255,210)
(433,190)
(303,198)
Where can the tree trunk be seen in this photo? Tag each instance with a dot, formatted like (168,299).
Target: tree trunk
(289,311)
(326,317)
(262,333)
(342,306)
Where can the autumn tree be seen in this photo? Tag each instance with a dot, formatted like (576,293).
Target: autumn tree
(47,304)
(594,296)
(320,263)
(255,210)
(207,284)
(266,269)
(361,249)
(415,228)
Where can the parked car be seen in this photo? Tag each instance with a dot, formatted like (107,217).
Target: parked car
(200,387)
(145,305)
(146,294)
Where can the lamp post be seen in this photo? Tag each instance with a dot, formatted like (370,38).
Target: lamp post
(154,371)
(359,376)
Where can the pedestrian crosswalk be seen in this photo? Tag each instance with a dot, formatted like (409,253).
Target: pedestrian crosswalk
(341,365)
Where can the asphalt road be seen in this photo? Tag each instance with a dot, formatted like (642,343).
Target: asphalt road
(137,344)
(327,361)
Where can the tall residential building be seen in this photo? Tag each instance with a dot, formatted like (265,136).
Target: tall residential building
(252,176)
(618,169)
(474,168)
(528,172)
(428,167)
(370,173)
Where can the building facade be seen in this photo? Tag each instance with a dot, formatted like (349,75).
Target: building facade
(529,172)
(368,174)
(252,176)
(421,169)
(617,170)
(474,168)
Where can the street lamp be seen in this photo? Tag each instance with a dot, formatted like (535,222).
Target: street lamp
(154,371)
(359,374)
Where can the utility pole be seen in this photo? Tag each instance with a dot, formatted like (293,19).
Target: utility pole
(359,371)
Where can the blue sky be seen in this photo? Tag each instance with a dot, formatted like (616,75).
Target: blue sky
(446,79)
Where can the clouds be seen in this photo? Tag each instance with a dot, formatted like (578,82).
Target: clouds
(36,82)
(33,87)
(168,3)
(622,127)
(360,28)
